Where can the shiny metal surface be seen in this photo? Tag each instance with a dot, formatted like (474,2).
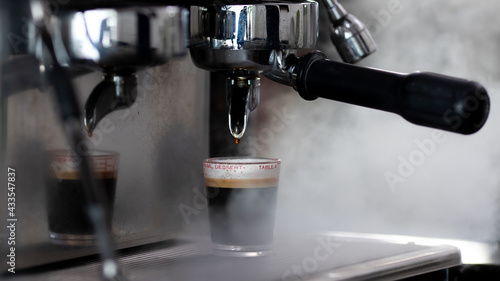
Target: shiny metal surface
(244,36)
(316,257)
(352,39)
(243,96)
(121,38)
(349,35)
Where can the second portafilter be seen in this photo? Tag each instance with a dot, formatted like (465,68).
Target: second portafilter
(267,38)
(119,41)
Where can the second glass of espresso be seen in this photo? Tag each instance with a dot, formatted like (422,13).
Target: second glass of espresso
(66,199)
(242,194)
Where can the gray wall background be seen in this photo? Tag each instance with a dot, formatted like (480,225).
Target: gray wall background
(335,156)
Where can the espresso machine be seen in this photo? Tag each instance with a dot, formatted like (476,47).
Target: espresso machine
(141,77)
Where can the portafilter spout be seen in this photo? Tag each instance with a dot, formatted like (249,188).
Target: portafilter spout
(243,95)
(113,93)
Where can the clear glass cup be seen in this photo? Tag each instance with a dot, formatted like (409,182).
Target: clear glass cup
(242,194)
(66,200)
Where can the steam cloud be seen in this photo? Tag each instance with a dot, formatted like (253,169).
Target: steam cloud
(335,155)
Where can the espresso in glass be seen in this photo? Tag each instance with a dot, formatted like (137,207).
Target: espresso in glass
(242,196)
(68,218)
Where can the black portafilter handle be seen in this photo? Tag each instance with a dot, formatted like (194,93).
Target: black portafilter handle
(426,99)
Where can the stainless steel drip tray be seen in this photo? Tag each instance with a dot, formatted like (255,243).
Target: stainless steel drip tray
(316,257)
